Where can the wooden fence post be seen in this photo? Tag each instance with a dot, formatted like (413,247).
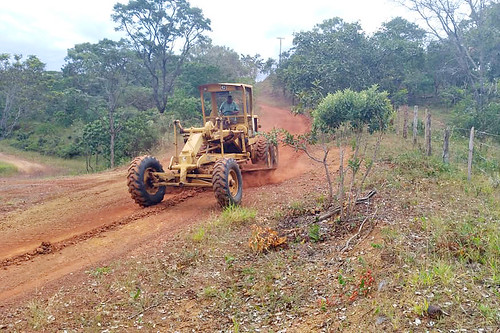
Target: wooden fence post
(428,148)
(415,124)
(398,115)
(405,121)
(446,143)
(471,148)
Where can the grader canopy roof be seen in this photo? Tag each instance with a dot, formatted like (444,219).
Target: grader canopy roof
(242,96)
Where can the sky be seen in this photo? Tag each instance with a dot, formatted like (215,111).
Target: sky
(49,28)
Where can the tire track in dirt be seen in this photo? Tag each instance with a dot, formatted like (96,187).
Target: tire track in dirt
(46,271)
(47,247)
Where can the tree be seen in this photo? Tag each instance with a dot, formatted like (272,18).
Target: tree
(463,24)
(102,70)
(232,67)
(162,33)
(252,65)
(196,73)
(335,55)
(21,90)
(399,57)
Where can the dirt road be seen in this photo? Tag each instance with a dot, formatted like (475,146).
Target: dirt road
(24,166)
(52,228)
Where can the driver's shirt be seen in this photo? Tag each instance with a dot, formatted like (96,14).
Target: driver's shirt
(227,108)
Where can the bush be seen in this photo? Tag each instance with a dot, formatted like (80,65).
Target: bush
(358,109)
(7,169)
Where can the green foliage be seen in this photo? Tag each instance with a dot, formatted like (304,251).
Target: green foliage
(196,73)
(100,271)
(22,90)
(170,25)
(314,233)
(400,97)
(333,56)
(398,49)
(366,108)
(137,135)
(185,108)
(7,169)
(47,139)
(229,259)
(198,235)
(416,163)
(236,215)
(452,95)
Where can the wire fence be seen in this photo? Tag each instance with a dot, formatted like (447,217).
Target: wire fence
(478,150)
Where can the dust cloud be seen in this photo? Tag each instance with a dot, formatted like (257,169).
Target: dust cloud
(291,163)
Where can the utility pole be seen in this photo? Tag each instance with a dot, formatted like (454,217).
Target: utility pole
(279,62)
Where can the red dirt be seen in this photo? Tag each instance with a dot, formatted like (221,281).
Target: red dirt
(291,163)
(53,228)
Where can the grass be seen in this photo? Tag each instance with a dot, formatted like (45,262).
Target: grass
(435,241)
(66,166)
(7,169)
(450,249)
(198,235)
(237,215)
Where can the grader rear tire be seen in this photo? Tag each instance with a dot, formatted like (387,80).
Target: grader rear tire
(140,182)
(227,182)
(260,151)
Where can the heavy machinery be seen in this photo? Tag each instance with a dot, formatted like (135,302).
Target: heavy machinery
(214,155)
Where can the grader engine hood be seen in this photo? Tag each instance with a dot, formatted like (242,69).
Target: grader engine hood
(191,149)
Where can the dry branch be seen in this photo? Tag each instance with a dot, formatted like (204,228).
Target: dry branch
(346,246)
(337,209)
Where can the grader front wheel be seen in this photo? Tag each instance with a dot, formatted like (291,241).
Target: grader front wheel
(227,182)
(141,183)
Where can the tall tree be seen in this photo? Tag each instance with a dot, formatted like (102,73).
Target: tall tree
(452,21)
(231,66)
(399,56)
(334,55)
(102,70)
(162,33)
(21,89)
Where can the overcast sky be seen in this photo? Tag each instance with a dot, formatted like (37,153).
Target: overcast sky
(48,28)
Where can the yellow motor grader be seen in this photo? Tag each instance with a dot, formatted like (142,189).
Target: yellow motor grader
(214,155)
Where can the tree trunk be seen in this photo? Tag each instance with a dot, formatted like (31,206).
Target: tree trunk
(112,137)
